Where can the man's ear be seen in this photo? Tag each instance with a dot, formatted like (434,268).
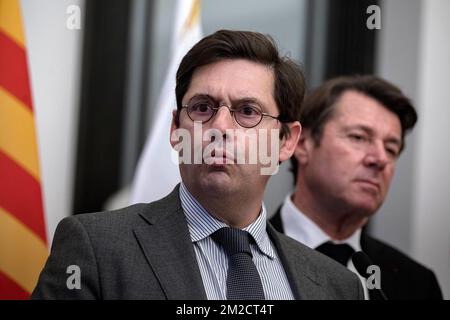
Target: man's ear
(303,148)
(173,127)
(289,143)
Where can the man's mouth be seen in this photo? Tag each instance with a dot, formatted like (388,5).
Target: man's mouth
(219,157)
(370,183)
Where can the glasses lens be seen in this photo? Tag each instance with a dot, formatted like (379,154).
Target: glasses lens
(200,110)
(248,115)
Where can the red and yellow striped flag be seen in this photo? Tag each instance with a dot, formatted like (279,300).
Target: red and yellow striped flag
(23,242)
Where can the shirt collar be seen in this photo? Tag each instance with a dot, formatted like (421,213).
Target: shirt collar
(298,226)
(202,224)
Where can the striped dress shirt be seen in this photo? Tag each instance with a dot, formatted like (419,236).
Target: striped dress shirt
(213,261)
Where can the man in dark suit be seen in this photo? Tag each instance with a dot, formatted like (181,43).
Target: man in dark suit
(208,239)
(353,133)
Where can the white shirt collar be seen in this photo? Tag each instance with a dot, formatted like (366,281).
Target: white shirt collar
(298,226)
(202,224)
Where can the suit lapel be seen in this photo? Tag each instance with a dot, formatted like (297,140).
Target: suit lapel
(369,246)
(165,240)
(388,267)
(166,243)
(305,282)
(276,221)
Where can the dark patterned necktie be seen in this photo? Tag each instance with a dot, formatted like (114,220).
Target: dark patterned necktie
(243,280)
(339,252)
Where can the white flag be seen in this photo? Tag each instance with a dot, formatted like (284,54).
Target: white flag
(157,174)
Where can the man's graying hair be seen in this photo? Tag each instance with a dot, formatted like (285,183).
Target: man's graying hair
(319,104)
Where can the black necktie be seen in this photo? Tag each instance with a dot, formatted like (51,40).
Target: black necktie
(243,281)
(339,252)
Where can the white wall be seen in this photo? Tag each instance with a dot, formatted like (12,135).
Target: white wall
(397,61)
(431,223)
(54,54)
(414,53)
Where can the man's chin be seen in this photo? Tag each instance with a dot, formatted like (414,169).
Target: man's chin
(366,208)
(216,181)
(366,200)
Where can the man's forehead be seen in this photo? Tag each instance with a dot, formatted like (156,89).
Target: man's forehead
(233,80)
(357,109)
(355,105)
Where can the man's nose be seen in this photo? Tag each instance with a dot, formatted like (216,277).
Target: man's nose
(376,156)
(223,119)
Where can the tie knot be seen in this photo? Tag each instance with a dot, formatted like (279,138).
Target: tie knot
(339,252)
(233,240)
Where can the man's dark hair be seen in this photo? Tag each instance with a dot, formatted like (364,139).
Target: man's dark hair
(319,104)
(289,86)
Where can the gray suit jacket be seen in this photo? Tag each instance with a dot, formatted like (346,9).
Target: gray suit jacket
(145,252)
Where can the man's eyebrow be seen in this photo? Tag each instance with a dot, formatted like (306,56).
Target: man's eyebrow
(370,131)
(248,100)
(233,100)
(201,95)
(359,127)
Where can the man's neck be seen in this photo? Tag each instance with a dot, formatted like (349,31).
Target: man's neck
(338,224)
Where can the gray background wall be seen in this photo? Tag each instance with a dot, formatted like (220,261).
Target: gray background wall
(414,53)
(54,57)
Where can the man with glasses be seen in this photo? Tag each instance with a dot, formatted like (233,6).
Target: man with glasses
(208,239)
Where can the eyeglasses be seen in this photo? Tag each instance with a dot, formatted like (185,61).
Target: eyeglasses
(247,114)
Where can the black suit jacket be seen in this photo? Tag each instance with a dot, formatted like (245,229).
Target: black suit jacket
(145,252)
(401,276)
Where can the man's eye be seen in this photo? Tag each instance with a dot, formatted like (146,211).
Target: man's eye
(249,110)
(392,152)
(201,107)
(357,137)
